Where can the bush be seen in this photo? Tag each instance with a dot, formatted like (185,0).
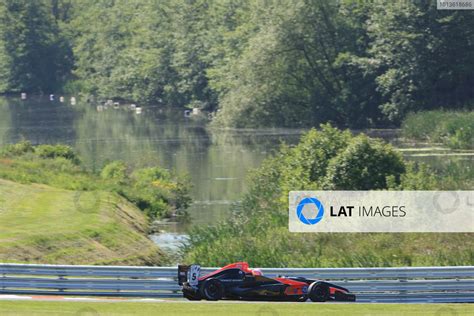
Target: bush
(115,171)
(417,176)
(157,193)
(454,129)
(421,125)
(56,151)
(463,138)
(304,167)
(18,149)
(42,151)
(364,165)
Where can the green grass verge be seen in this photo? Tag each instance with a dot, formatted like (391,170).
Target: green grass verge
(221,308)
(43,224)
(54,210)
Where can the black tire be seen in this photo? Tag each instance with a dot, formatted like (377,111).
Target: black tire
(212,290)
(318,292)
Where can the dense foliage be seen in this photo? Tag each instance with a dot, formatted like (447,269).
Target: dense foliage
(454,129)
(34,53)
(271,63)
(153,190)
(325,159)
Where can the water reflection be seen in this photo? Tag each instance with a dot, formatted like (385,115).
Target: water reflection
(34,121)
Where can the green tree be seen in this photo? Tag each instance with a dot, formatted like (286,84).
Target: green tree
(420,56)
(33,54)
(291,72)
(352,63)
(255,63)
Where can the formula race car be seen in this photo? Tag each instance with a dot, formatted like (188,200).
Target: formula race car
(236,281)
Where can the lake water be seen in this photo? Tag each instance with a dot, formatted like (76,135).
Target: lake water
(216,161)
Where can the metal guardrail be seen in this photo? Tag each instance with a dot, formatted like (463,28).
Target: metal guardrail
(411,284)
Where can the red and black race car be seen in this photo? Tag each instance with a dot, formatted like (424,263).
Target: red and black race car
(237,281)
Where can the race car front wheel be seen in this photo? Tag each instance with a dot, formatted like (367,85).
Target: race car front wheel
(318,292)
(212,289)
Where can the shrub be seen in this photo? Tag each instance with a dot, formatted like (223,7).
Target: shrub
(364,165)
(55,151)
(454,129)
(421,125)
(417,176)
(115,171)
(148,175)
(157,193)
(463,138)
(18,149)
(304,167)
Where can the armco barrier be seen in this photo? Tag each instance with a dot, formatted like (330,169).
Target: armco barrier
(411,284)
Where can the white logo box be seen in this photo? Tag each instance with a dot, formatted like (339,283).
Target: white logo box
(384,211)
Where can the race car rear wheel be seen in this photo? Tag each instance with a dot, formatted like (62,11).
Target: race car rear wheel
(318,292)
(212,289)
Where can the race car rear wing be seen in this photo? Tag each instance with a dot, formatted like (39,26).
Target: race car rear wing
(189,274)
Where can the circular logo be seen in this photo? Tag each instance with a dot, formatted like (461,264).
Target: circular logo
(304,219)
(441,203)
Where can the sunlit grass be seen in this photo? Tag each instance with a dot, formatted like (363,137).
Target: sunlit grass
(8,308)
(43,224)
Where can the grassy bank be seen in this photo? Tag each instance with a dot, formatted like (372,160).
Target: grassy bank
(156,191)
(43,224)
(8,308)
(53,210)
(454,129)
